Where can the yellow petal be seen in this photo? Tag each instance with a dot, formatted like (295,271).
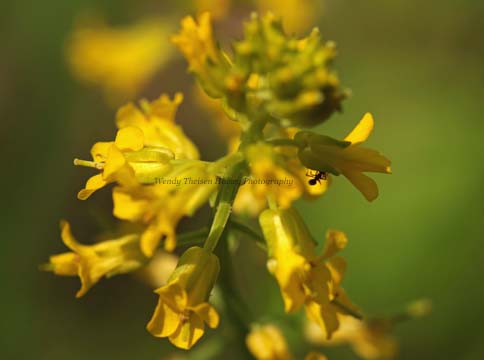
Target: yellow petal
(114,162)
(189,333)
(315,356)
(129,138)
(335,242)
(68,239)
(208,314)
(130,115)
(366,185)
(94,183)
(65,264)
(362,131)
(165,320)
(337,265)
(128,206)
(324,316)
(99,151)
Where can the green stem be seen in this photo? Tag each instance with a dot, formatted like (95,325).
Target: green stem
(225,199)
(192,238)
(283,142)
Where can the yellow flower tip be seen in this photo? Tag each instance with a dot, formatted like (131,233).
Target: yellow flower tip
(362,130)
(388,170)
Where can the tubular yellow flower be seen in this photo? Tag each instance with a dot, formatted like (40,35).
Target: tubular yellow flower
(182,308)
(346,157)
(92,262)
(267,343)
(125,160)
(304,277)
(119,59)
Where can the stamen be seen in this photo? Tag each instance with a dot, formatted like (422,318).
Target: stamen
(91,164)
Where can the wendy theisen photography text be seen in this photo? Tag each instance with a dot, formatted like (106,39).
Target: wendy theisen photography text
(222,181)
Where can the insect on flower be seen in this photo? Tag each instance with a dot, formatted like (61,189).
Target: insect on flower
(316,177)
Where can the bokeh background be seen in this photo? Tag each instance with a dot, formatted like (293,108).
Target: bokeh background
(416,65)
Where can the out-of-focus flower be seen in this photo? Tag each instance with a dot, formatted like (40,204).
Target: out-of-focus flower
(121,60)
(370,339)
(304,277)
(92,262)
(159,269)
(298,15)
(182,308)
(315,356)
(345,157)
(267,343)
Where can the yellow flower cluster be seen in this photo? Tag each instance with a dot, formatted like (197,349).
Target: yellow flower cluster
(272,89)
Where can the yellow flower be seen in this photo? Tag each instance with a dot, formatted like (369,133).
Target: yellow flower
(370,339)
(92,262)
(125,160)
(119,59)
(180,192)
(156,120)
(304,277)
(346,157)
(182,308)
(204,57)
(267,343)
(276,173)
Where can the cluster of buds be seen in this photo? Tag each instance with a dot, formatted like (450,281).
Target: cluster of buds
(273,86)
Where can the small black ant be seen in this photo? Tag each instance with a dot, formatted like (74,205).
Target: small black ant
(316,177)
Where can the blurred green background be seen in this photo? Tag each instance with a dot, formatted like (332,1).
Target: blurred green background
(417,66)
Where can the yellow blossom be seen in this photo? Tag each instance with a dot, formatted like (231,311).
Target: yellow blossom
(346,157)
(304,277)
(92,262)
(276,173)
(119,59)
(267,343)
(204,57)
(125,160)
(183,310)
(180,192)
(156,119)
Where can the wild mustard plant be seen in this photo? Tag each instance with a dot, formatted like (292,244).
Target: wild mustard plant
(274,88)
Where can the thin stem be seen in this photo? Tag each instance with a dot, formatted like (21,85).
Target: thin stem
(282,142)
(225,199)
(192,238)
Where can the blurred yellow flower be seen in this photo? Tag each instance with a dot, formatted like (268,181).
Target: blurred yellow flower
(121,60)
(92,262)
(159,269)
(267,343)
(370,339)
(346,157)
(182,308)
(304,277)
